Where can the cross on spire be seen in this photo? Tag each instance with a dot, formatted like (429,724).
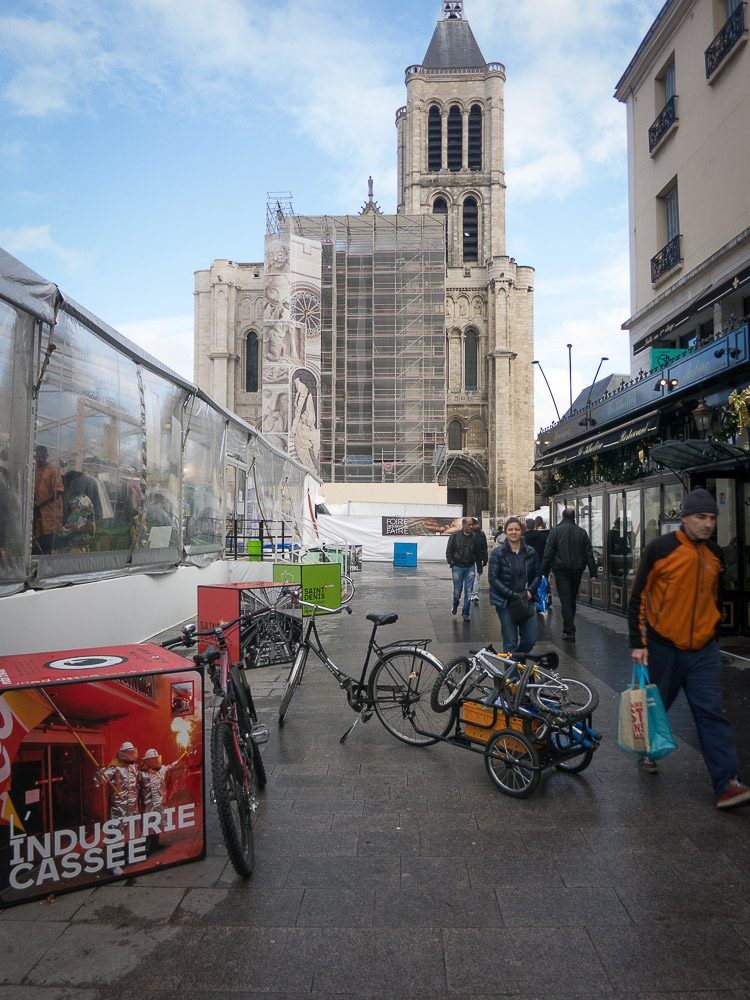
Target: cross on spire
(453,10)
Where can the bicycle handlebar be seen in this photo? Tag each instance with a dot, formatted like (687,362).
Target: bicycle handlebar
(190,634)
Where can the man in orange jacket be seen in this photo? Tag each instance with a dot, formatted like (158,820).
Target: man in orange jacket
(672,616)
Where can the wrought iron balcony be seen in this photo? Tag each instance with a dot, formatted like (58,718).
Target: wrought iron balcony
(725,41)
(663,123)
(667,258)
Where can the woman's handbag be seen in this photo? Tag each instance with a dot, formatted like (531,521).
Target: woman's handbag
(520,608)
(643,725)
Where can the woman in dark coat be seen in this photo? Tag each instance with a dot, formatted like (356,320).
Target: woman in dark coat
(514,568)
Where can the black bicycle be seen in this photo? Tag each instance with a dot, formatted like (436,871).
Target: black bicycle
(237,770)
(397,689)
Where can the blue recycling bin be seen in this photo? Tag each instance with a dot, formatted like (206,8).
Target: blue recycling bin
(404,553)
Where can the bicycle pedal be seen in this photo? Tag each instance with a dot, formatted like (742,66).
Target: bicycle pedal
(367,715)
(260,733)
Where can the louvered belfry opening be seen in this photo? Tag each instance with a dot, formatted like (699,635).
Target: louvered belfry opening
(471,230)
(475,138)
(455,138)
(434,140)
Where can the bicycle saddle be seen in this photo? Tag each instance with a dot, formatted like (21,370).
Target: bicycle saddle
(209,656)
(382,619)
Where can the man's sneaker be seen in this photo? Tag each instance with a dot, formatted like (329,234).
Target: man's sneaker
(569,637)
(735,794)
(454,609)
(648,765)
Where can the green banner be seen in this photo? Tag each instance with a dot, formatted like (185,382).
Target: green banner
(662,357)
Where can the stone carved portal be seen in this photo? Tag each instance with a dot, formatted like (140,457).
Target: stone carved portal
(468,477)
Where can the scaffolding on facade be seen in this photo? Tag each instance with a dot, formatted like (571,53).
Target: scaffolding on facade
(383,346)
(279,211)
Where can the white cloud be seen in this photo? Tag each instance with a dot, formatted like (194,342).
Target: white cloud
(29,239)
(169,340)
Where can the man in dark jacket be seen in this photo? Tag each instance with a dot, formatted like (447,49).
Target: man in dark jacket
(483,556)
(461,554)
(567,553)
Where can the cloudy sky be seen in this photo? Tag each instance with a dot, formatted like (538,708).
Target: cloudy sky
(138,140)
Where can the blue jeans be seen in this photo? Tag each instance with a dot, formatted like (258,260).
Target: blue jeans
(698,671)
(517,638)
(463,579)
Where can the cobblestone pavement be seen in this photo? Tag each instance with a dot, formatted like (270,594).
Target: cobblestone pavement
(386,871)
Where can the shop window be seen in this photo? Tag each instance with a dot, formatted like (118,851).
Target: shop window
(434,140)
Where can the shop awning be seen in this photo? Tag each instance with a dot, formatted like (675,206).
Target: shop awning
(691,454)
(641,427)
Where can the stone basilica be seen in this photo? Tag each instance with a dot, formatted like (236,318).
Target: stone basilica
(450,167)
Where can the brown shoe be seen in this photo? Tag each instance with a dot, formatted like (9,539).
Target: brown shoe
(467,618)
(648,765)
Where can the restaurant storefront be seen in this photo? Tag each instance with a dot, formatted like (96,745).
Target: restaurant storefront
(625,462)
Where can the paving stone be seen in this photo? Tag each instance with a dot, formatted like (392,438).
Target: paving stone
(686,902)
(24,944)
(441,907)
(673,956)
(523,960)
(381,962)
(524,908)
(58,908)
(336,907)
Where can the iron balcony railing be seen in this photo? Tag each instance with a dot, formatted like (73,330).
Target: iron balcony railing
(667,258)
(663,123)
(725,41)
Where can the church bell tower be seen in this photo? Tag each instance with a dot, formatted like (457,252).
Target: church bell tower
(451,163)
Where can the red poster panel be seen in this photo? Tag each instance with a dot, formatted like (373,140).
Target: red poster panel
(222,602)
(101,776)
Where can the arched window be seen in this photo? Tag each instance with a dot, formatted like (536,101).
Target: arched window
(475,138)
(434,139)
(251,362)
(471,230)
(440,207)
(455,138)
(455,436)
(470,361)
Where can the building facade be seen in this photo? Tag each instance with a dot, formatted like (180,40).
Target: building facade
(450,168)
(625,460)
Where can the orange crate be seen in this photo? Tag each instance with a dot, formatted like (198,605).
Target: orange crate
(488,720)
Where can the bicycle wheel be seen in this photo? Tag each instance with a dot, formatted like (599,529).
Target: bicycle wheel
(565,698)
(347,589)
(292,682)
(562,743)
(234,801)
(399,689)
(449,684)
(259,767)
(512,763)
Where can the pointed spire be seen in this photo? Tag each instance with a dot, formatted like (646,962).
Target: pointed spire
(453,45)
(370,207)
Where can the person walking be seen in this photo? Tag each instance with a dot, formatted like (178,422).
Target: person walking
(567,553)
(483,555)
(536,535)
(514,570)
(673,615)
(461,554)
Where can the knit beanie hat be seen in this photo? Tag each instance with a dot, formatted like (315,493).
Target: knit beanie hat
(699,502)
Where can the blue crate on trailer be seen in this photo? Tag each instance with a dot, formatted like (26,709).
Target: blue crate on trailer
(404,553)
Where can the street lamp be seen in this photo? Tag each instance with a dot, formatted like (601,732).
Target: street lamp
(548,386)
(702,416)
(587,420)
